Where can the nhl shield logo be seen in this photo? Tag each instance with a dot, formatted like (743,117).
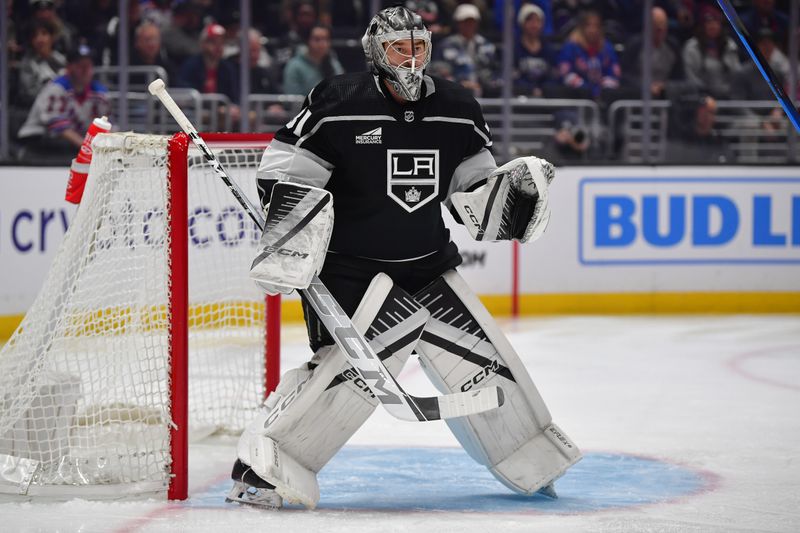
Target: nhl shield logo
(412,177)
(409,116)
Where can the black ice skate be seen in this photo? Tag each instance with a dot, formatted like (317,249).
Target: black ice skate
(249,489)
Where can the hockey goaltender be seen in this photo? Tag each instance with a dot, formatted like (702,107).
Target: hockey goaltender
(387,147)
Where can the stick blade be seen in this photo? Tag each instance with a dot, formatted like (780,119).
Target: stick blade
(471,402)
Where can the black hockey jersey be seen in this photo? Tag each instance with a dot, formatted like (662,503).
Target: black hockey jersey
(387,165)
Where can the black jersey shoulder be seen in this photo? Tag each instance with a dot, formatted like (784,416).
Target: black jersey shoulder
(453,99)
(345,94)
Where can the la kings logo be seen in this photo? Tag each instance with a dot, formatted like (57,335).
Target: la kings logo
(412,177)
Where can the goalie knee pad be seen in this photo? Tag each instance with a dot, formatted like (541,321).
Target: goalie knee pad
(317,407)
(462,349)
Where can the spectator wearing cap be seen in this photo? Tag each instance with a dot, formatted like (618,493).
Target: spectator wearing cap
(180,38)
(45,10)
(64,109)
(41,62)
(472,57)
(535,59)
(312,64)
(664,59)
(208,72)
(587,61)
(710,58)
(544,5)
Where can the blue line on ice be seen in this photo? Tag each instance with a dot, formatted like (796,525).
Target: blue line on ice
(447,479)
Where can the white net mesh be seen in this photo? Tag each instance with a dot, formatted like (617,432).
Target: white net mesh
(84,381)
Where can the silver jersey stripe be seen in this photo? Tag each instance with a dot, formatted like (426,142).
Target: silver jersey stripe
(455,120)
(339,119)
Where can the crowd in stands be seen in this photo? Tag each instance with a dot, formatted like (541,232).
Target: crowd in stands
(584,49)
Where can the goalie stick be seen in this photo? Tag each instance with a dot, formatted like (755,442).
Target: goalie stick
(382,384)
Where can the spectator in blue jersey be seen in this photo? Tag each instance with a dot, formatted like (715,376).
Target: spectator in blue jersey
(535,59)
(63,111)
(472,56)
(588,61)
(312,64)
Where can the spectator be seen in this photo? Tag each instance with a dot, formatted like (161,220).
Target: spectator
(588,61)
(147,50)
(748,84)
(428,11)
(664,60)
(696,140)
(262,77)
(471,55)
(63,110)
(763,15)
(158,12)
(710,59)
(208,72)
(567,15)
(302,18)
(40,64)
(45,10)
(312,64)
(109,40)
(544,5)
(534,58)
(180,38)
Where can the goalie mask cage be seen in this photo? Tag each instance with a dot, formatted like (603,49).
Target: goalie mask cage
(147,326)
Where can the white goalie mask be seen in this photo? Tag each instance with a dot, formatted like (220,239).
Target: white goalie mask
(404,72)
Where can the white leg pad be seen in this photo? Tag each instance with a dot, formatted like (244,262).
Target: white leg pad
(317,408)
(294,482)
(463,349)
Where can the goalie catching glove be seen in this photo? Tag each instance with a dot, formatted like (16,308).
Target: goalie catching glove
(513,204)
(295,239)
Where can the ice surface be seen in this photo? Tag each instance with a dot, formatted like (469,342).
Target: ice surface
(687,424)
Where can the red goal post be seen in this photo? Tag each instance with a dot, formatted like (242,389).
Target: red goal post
(179,145)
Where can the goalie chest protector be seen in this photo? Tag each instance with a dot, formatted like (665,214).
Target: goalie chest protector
(392,163)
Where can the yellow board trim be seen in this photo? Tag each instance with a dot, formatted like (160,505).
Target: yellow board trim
(555,304)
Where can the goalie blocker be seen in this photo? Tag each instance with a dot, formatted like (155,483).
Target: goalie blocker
(295,238)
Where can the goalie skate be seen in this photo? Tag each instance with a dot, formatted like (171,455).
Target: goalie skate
(249,489)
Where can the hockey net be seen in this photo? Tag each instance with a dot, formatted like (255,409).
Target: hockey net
(93,384)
